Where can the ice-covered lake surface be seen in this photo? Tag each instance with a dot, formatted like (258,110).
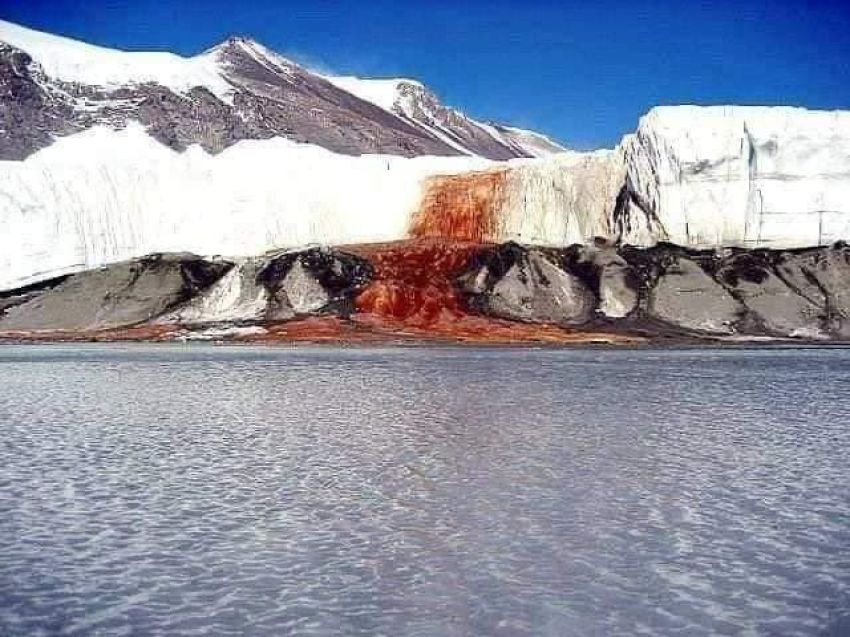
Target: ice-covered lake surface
(227,490)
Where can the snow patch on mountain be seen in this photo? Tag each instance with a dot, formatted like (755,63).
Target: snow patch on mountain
(77,62)
(530,142)
(263,55)
(412,101)
(380,92)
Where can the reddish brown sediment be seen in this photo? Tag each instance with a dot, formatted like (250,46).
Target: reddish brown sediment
(471,329)
(413,296)
(361,329)
(314,329)
(414,280)
(367,329)
(461,207)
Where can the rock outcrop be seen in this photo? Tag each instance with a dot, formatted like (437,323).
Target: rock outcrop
(188,290)
(118,295)
(473,291)
(314,280)
(668,289)
(522,284)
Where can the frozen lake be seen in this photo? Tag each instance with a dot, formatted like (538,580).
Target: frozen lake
(210,490)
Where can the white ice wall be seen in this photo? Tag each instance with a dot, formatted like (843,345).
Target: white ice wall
(102,195)
(736,175)
(562,200)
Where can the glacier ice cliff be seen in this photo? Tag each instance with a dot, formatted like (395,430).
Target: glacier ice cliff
(740,175)
(713,176)
(695,176)
(102,196)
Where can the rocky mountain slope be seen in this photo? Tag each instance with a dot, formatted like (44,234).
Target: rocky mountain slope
(52,87)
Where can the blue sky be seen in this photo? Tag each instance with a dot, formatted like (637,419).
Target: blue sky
(583,72)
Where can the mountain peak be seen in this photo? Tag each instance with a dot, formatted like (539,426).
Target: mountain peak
(234,41)
(236,48)
(255,93)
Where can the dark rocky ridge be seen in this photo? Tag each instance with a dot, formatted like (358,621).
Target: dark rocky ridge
(29,115)
(113,296)
(666,290)
(315,280)
(803,293)
(272,97)
(177,288)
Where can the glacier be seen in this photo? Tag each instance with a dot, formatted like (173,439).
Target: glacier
(696,176)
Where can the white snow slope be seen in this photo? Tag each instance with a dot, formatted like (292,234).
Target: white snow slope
(383,92)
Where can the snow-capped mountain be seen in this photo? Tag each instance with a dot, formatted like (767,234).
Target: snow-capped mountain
(54,86)
(414,103)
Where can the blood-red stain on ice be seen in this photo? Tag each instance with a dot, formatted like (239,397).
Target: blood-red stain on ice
(461,207)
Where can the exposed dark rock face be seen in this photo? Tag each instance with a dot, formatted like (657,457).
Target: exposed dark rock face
(762,281)
(802,292)
(519,283)
(185,289)
(659,291)
(827,271)
(11,298)
(675,286)
(608,274)
(118,295)
(791,294)
(315,280)
(29,115)
(237,298)
(278,287)
(686,296)
(271,97)
(198,117)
